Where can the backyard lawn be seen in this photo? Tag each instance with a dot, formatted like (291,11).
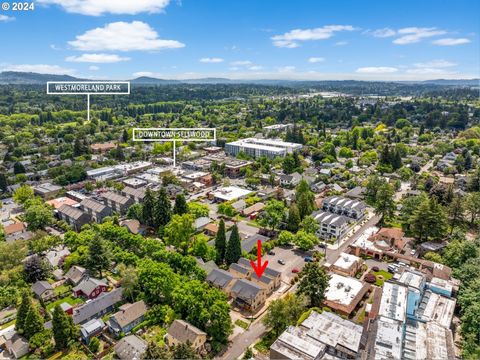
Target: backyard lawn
(381,276)
(69,299)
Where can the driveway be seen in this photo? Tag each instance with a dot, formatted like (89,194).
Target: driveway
(294,258)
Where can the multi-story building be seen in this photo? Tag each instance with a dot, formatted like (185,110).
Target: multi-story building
(331,225)
(261,147)
(117,202)
(95,209)
(343,206)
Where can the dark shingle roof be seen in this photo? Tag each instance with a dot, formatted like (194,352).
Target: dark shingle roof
(220,278)
(97,305)
(246,290)
(40,287)
(70,211)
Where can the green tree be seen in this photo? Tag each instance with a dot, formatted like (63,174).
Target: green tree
(305,199)
(18,168)
(221,242)
(180,206)
(162,211)
(429,221)
(273,214)
(147,209)
(3,182)
(38,216)
(248,354)
(129,281)
(197,209)
(371,188)
(293,221)
(472,206)
(184,351)
(155,351)
(98,256)
(94,345)
(64,330)
(309,225)
(22,194)
(33,323)
(179,231)
(136,212)
(384,203)
(456,211)
(304,240)
(284,312)
(22,312)
(314,282)
(285,238)
(234,249)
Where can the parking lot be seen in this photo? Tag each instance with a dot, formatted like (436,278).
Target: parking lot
(293,258)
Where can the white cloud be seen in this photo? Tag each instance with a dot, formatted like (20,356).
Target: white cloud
(376,70)
(97,58)
(314,60)
(383,33)
(292,38)
(451,41)
(211,60)
(255,67)
(435,64)
(123,36)
(147,74)
(241,63)
(286,69)
(5,18)
(427,70)
(100,7)
(39,68)
(93,68)
(412,35)
(341,43)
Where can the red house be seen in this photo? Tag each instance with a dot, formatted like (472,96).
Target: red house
(90,288)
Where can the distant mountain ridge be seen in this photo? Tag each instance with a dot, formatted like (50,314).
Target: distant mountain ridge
(25,78)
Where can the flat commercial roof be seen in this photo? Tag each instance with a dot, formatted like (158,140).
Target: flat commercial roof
(394,301)
(426,341)
(230,193)
(342,289)
(345,261)
(437,308)
(388,340)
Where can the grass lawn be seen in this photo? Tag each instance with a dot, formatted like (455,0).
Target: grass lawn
(155,333)
(69,299)
(7,324)
(242,324)
(61,289)
(385,276)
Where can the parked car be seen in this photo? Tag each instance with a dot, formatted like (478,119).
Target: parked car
(281,261)
(295,270)
(322,246)
(308,259)
(271,252)
(412,252)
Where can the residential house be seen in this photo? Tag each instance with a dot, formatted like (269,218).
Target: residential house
(98,306)
(181,332)
(222,280)
(43,290)
(347,265)
(239,271)
(135,227)
(95,209)
(252,240)
(75,275)
(73,216)
(130,347)
(343,206)
(91,329)
(248,295)
(17,346)
(47,190)
(136,194)
(128,316)
(99,148)
(331,225)
(90,288)
(200,223)
(16,231)
(117,202)
(253,209)
(56,255)
(290,180)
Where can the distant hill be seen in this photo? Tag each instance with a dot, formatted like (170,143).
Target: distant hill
(454,82)
(151,80)
(21,78)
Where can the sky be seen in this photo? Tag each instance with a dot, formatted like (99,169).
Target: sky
(244,39)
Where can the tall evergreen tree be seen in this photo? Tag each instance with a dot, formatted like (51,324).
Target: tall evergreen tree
(33,323)
(221,242)
(162,211)
(314,282)
(148,206)
(18,168)
(180,206)
(22,312)
(64,331)
(98,256)
(234,248)
(125,135)
(293,221)
(305,199)
(385,204)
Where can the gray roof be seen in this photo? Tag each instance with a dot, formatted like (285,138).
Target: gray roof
(129,313)
(184,331)
(246,290)
(94,205)
(325,217)
(71,212)
(344,202)
(251,241)
(137,193)
(75,273)
(88,285)
(91,327)
(201,222)
(130,347)
(244,262)
(116,198)
(271,272)
(220,278)
(40,287)
(97,305)
(239,268)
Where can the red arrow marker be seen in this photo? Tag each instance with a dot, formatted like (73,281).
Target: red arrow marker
(259,268)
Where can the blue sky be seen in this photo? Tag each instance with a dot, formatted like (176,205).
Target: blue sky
(245,39)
